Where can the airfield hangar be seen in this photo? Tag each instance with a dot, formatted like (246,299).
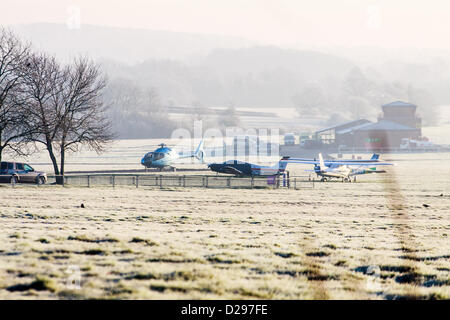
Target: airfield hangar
(398,121)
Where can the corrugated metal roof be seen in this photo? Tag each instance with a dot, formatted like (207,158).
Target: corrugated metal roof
(399,104)
(345,124)
(385,125)
(354,128)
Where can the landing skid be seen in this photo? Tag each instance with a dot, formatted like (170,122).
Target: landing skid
(160,169)
(170,168)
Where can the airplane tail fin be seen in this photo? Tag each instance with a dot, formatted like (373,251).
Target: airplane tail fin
(375,157)
(200,153)
(321,162)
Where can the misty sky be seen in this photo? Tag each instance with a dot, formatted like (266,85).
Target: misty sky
(347,23)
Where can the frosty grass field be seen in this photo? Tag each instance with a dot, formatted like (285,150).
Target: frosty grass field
(384,237)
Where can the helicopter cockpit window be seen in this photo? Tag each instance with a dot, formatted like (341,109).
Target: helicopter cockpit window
(158,155)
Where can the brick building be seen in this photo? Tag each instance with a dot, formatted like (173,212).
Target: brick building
(398,121)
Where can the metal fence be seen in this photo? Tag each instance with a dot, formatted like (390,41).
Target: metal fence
(185,181)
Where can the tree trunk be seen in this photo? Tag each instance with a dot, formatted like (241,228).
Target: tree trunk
(63,157)
(1,147)
(59,179)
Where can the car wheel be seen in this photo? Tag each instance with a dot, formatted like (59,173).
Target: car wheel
(40,180)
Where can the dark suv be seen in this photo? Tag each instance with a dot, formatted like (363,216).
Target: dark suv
(20,172)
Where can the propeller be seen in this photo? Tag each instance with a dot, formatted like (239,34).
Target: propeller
(156,145)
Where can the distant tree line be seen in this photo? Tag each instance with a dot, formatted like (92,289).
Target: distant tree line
(318,85)
(136,112)
(360,96)
(43,102)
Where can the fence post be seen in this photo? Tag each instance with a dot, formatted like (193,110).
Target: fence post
(206,182)
(160,181)
(184,181)
(137,181)
(63,180)
(295,183)
(229,182)
(252,182)
(113,181)
(89,181)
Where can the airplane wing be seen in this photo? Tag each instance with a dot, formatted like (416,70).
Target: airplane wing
(306,161)
(366,164)
(312,161)
(341,163)
(373,160)
(231,170)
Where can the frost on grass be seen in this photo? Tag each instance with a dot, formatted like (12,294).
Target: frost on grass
(228,243)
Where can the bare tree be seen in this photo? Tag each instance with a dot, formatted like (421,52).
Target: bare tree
(82,118)
(13,116)
(66,107)
(43,87)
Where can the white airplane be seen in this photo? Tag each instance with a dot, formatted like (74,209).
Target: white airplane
(342,169)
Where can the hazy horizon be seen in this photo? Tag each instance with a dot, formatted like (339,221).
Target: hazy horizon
(336,61)
(296,24)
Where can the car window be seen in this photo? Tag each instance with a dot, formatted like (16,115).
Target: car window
(3,166)
(10,166)
(19,166)
(27,167)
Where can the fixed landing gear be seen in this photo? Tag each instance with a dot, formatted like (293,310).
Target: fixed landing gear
(324,179)
(173,169)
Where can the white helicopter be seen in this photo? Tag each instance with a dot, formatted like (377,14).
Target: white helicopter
(165,157)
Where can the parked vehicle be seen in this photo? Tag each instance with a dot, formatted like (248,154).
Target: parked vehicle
(17,172)
(407,143)
(289,139)
(303,137)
